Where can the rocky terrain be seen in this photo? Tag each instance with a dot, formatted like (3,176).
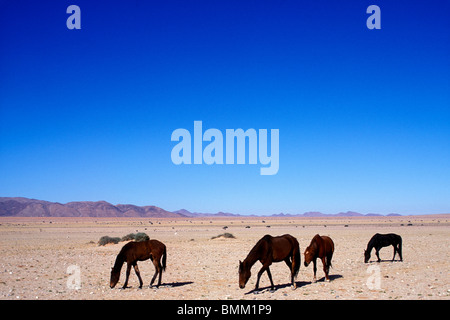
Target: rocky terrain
(59,258)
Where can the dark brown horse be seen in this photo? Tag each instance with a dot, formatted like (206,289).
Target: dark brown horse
(320,247)
(379,241)
(133,252)
(267,250)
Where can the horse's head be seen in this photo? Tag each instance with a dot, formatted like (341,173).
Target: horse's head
(114,278)
(309,255)
(244,274)
(366,256)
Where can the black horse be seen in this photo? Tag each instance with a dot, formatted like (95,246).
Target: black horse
(379,241)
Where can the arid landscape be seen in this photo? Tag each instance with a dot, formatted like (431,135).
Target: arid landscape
(41,258)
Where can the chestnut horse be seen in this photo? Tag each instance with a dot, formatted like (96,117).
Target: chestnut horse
(379,241)
(133,252)
(320,247)
(271,249)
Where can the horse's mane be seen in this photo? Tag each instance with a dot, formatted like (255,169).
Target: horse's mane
(371,242)
(120,259)
(313,245)
(253,255)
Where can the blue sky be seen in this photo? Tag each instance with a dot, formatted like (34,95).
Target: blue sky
(363,115)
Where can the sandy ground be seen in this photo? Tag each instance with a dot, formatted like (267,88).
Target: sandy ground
(41,258)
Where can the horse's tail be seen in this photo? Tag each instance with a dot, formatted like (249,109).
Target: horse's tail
(164,257)
(296,259)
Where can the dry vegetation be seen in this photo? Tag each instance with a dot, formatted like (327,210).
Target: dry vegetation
(36,254)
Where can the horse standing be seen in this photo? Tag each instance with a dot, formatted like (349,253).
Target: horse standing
(379,241)
(267,250)
(320,247)
(133,252)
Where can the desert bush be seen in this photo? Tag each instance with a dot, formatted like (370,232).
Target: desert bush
(141,236)
(107,239)
(128,237)
(225,235)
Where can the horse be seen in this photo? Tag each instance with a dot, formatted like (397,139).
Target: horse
(379,241)
(267,250)
(320,247)
(132,252)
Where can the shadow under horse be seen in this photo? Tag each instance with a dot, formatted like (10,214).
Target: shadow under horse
(379,241)
(133,252)
(268,250)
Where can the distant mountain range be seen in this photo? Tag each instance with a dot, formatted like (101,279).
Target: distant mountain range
(24,207)
(311,214)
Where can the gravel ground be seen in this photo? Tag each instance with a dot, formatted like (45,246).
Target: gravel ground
(59,258)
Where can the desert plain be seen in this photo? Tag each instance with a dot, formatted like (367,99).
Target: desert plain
(60,259)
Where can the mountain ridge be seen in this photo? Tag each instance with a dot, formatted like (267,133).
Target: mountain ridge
(311,214)
(26,207)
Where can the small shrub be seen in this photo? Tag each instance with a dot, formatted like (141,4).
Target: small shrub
(128,237)
(226,235)
(107,239)
(138,237)
(141,236)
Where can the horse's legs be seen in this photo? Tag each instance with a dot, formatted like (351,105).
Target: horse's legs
(260,272)
(136,269)
(325,268)
(377,251)
(160,274)
(395,250)
(399,250)
(329,257)
(127,275)
(272,287)
(315,269)
(154,277)
(291,268)
(258,277)
(288,262)
(157,270)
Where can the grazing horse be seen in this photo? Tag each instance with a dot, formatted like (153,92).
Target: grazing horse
(320,247)
(267,250)
(379,241)
(133,252)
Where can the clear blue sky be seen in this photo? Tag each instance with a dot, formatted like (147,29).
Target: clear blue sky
(363,115)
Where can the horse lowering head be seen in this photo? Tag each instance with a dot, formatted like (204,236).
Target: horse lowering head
(244,275)
(309,255)
(366,256)
(114,278)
